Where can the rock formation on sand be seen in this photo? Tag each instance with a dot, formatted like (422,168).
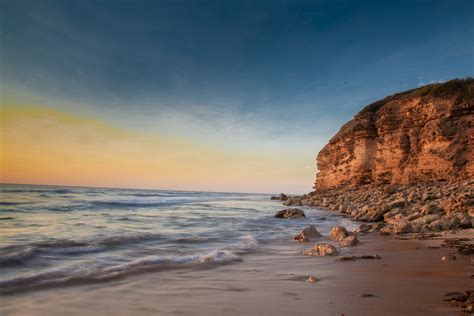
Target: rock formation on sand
(307,234)
(406,161)
(321,250)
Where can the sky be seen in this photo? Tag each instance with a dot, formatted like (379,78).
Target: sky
(226,95)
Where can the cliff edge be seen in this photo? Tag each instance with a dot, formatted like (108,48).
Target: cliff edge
(425,134)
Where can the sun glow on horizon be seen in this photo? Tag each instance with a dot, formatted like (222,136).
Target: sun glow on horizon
(43,145)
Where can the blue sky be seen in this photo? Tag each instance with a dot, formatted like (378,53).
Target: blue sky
(282,75)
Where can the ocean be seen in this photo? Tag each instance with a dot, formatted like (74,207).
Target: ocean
(67,236)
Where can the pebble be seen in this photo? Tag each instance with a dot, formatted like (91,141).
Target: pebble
(448,258)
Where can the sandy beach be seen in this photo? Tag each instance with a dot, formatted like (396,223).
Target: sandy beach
(409,279)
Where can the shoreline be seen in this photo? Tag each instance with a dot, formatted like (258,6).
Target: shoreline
(410,278)
(398,209)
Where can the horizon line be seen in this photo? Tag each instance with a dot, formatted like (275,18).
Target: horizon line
(128,188)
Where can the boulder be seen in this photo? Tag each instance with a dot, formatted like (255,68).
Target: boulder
(397,203)
(281,197)
(445,223)
(307,234)
(364,228)
(430,209)
(290,213)
(426,219)
(400,227)
(350,241)
(372,214)
(322,249)
(339,233)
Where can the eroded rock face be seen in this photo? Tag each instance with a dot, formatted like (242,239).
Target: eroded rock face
(415,136)
(308,234)
(321,250)
(290,213)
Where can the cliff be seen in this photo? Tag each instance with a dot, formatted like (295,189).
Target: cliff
(405,162)
(419,135)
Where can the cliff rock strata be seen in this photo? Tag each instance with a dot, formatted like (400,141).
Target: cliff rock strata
(424,134)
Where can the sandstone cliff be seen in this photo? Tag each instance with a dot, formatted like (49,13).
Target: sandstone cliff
(419,135)
(405,161)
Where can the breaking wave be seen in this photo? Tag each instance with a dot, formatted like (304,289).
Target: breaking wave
(93,272)
(128,204)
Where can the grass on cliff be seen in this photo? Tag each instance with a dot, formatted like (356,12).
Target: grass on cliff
(461,88)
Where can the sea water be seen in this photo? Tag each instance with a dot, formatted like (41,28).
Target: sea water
(57,236)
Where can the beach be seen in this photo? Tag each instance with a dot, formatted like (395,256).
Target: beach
(408,279)
(76,251)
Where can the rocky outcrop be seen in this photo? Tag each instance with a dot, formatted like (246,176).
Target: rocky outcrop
(398,209)
(419,135)
(406,162)
(343,237)
(290,213)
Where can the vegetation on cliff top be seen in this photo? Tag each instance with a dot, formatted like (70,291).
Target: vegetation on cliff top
(461,88)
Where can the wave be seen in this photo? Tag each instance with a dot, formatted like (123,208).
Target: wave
(127,204)
(18,255)
(13,203)
(57,191)
(147,194)
(94,273)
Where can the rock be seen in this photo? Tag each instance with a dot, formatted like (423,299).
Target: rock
(290,213)
(400,227)
(467,249)
(430,209)
(427,219)
(445,223)
(463,299)
(377,226)
(367,295)
(307,234)
(449,257)
(352,258)
(397,203)
(322,249)
(312,279)
(339,233)
(465,221)
(364,228)
(350,241)
(427,196)
(281,197)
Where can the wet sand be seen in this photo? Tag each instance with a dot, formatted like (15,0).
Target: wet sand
(409,279)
